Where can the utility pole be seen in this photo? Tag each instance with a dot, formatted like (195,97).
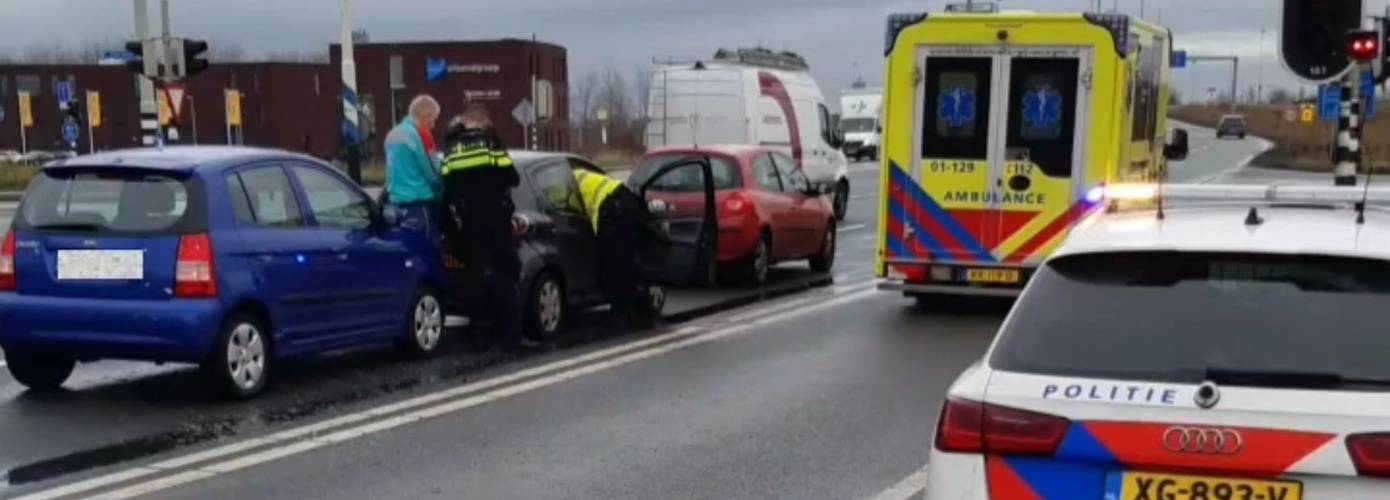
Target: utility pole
(1260,87)
(352,135)
(149,110)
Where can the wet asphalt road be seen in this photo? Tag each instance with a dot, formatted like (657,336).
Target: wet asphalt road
(831,395)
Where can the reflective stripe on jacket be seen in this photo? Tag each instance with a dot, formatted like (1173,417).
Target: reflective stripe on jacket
(594,189)
(475,156)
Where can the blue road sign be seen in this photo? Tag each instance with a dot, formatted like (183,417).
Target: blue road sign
(1329,102)
(64,93)
(1179,59)
(70,130)
(1368,94)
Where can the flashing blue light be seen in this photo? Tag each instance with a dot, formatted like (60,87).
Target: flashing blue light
(299,258)
(1095,195)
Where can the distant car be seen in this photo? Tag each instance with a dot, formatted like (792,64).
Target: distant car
(231,258)
(768,210)
(1214,351)
(1231,126)
(559,251)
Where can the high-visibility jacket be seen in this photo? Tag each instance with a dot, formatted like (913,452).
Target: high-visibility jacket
(476,155)
(594,189)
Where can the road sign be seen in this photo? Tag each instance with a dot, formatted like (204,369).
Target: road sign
(233,108)
(1307,114)
(1330,102)
(1290,115)
(1368,95)
(165,114)
(64,94)
(70,131)
(26,110)
(1179,59)
(525,113)
(174,94)
(93,108)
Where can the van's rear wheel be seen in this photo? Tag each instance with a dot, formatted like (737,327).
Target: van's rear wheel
(241,361)
(39,373)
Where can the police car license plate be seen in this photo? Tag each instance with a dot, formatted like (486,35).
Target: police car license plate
(1145,486)
(999,276)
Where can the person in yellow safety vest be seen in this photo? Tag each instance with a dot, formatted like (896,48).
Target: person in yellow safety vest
(619,219)
(478,179)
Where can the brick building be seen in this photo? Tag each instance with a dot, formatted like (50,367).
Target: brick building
(501,73)
(296,106)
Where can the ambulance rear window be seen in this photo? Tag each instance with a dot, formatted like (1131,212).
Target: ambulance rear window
(1171,316)
(956,116)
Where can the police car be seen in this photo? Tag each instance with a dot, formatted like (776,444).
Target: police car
(1229,343)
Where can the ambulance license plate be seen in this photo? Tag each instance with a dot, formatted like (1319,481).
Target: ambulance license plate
(1145,486)
(993,276)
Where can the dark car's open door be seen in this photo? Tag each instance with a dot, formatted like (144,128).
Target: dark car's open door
(684,231)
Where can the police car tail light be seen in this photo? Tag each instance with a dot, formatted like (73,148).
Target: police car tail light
(194,277)
(8,283)
(1370,453)
(972,427)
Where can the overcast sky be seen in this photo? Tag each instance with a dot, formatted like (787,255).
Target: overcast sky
(836,36)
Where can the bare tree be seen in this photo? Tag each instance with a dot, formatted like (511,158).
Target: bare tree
(226,51)
(1280,95)
(613,95)
(643,89)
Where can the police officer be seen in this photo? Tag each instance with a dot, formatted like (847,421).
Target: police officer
(619,220)
(478,178)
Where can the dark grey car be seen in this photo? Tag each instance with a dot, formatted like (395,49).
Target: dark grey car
(1231,126)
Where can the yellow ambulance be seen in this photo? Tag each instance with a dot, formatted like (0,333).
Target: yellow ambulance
(1001,130)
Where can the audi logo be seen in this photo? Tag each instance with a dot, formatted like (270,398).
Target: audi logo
(1203,440)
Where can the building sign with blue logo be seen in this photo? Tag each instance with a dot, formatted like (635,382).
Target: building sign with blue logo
(437,69)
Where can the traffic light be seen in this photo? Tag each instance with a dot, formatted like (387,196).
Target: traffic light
(1363,46)
(1315,34)
(136,63)
(193,61)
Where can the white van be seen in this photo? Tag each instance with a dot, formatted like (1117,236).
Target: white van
(860,112)
(750,96)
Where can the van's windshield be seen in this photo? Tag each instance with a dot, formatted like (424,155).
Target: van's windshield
(857,124)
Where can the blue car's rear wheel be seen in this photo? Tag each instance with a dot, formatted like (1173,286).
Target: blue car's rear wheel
(424,325)
(39,373)
(240,365)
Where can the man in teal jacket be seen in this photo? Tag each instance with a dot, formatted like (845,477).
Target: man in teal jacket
(413,182)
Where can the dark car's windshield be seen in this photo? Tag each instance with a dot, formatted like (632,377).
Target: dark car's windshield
(1173,316)
(1232,121)
(685,179)
(110,202)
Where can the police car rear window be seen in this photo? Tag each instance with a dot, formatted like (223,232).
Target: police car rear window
(686,179)
(1169,316)
(111,201)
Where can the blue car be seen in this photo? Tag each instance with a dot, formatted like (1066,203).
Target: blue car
(234,259)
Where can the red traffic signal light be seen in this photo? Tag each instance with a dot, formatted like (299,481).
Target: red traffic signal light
(1363,46)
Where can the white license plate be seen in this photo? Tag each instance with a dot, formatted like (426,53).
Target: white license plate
(101,264)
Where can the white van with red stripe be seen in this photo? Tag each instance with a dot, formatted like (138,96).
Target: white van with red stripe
(750,96)
(1226,350)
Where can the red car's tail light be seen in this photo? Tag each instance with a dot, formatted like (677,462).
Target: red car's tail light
(8,281)
(971,427)
(735,204)
(194,276)
(1370,453)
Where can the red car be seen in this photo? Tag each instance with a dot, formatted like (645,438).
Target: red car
(769,212)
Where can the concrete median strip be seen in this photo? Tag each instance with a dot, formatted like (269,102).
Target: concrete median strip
(232,457)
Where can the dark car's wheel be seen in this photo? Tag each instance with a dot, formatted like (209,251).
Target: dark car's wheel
(650,312)
(825,259)
(240,365)
(545,307)
(39,373)
(840,203)
(424,326)
(755,267)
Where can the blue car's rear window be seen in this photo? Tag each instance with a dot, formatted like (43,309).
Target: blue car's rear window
(109,201)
